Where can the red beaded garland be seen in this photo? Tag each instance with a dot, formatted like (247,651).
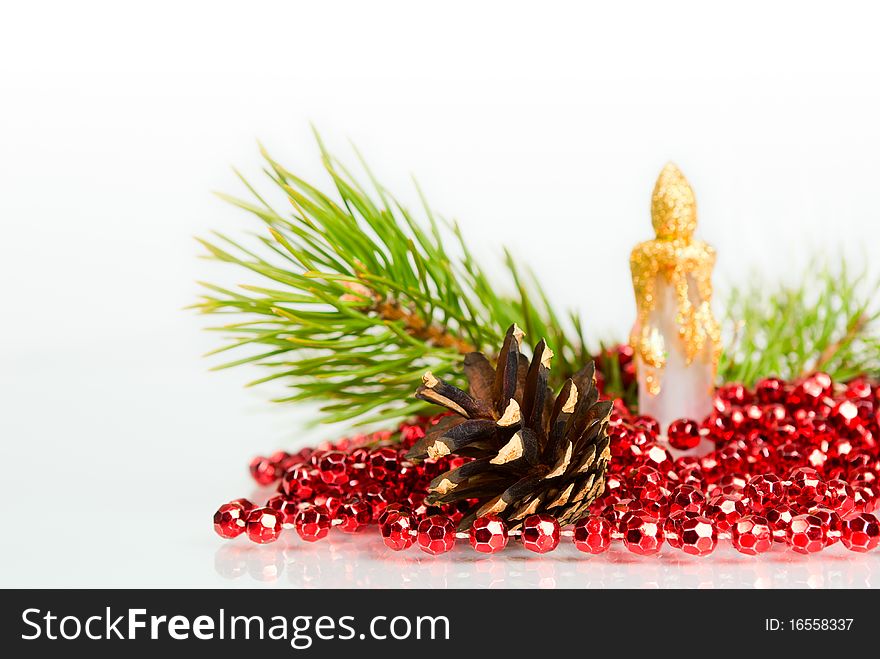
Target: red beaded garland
(795,461)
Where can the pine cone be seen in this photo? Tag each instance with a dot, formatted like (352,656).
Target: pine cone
(532,452)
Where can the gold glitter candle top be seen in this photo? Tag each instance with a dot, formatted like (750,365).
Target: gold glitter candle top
(683,263)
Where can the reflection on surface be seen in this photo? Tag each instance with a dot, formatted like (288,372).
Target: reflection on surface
(362,561)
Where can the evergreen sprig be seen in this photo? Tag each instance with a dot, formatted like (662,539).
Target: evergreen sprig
(827,322)
(355,298)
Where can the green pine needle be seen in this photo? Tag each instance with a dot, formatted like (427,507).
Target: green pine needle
(353,298)
(826,323)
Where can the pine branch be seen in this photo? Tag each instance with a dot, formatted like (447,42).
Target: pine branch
(826,323)
(354,299)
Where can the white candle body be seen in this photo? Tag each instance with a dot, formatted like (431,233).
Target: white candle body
(686,389)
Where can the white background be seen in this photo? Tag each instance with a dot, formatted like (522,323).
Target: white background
(545,123)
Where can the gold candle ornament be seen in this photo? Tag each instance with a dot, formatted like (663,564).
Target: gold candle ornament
(676,339)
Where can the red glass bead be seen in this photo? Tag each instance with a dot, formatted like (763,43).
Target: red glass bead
(733,483)
(354,515)
(592,534)
(540,533)
(298,482)
(646,484)
(686,497)
(831,522)
(285,506)
(725,510)
(683,434)
(383,463)
(845,414)
(488,534)
(779,518)
(733,393)
(641,534)
(329,501)
(392,508)
(333,468)
(263,470)
(671,526)
(806,534)
(649,423)
(312,523)
(263,525)
(865,497)
(751,535)
(860,532)
(229,520)
(246,504)
(770,390)
(697,536)
(436,534)
(398,530)
(806,487)
(657,457)
(764,491)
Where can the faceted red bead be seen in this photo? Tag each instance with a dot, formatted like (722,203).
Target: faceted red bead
(488,534)
(436,534)
(641,534)
(697,536)
(395,507)
(764,491)
(285,506)
(860,532)
(647,422)
(779,518)
(733,483)
(540,533)
(806,488)
(683,434)
(845,414)
(353,515)
(264,525)
(263,470)
(398,530)
(806,534)
(865,498)
(333,468)
(686,497)
(733,393)
(329,500)
(299,482)
(229,520)
(654,455)
(725,510)
(752,535)
(312,523)
(671,526)
(831,522)
(646,483)
(592,534)
(770,390)
(246,504)
(383,463)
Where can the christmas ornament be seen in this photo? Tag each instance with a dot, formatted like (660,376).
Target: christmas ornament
(531,452)
(675,338)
